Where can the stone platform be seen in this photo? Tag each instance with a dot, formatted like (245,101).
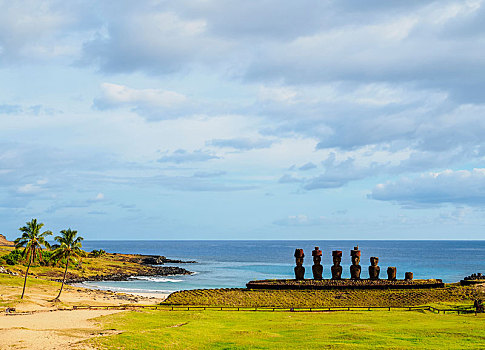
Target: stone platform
(345,284)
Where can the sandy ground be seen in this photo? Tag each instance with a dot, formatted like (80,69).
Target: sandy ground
(40,297)
(50,330)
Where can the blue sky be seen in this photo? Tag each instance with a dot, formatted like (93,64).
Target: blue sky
(243,119)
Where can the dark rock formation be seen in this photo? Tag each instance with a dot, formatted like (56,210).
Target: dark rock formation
(374,270)
(355,268)
(344,284)
(336,268)
(155,271)
(317,268)
(475,277)
(408,276)
(391,273)
(160,260)
(299,269)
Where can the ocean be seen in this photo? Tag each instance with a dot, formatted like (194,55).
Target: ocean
(231,264)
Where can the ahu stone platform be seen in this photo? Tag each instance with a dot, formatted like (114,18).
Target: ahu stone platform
(345,284)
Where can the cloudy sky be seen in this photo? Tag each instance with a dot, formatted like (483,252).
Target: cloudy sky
(244,119)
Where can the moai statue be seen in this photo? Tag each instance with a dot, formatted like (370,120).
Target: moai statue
(355,268)
(317,268)
(374,270)
(336,268)
(391,273)
(299,269)
(408,276)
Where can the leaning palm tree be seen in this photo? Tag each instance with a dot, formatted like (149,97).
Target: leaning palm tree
(69,250)
(32,240)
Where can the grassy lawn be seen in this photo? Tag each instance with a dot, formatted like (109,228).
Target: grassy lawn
(284,330)
(324,298)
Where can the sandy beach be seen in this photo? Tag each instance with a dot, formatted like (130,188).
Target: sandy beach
(46,326)
(51,329)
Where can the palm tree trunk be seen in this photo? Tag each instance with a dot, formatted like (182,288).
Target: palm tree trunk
(25,279)
(63,278)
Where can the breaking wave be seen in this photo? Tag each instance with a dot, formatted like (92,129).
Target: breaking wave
(155,279)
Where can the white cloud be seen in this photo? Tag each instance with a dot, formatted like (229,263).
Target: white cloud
(241,143)
(278,94)
(32,188)
(184,156)
(300,220)
(460,187)
(115,95)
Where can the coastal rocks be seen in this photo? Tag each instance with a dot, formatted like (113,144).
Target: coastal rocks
(408,276)
(474,278)
(391,273)
(155,271)
(161,260)
(374,270)
(299,269)
(336,268)
(7,271)
(355,268)
(317,268)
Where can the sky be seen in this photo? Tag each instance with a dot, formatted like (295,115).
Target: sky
(269,119)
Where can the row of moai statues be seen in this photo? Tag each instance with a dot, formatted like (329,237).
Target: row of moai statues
(355,268)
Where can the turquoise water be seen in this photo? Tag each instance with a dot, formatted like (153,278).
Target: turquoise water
(228,264)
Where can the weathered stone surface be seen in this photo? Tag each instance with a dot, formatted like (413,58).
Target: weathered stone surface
(336,268)
(355,268)
(374,270)
(408,276)
(317,268)
(5,242)
(479,307)
(329,284)
(299,269)
(391,273)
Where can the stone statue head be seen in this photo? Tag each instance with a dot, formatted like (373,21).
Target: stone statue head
(337,257)
(299,253)
(355,254)
(355,260)
(374,260)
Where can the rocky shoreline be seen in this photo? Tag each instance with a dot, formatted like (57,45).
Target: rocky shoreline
(152,271)
(155,259)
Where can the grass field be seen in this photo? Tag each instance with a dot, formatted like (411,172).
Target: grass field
(323,298)
(285,330)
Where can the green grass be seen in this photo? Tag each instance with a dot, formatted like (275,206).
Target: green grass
(285,330)
(322,298)
(103,265)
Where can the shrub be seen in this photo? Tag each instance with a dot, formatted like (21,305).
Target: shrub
(13,257)
(97,253)
(47,258)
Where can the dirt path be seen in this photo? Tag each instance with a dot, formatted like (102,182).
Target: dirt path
(50,330)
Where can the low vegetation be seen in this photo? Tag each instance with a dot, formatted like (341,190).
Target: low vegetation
(322,298)
(291,330)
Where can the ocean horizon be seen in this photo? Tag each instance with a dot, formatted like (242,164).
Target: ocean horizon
(232,263)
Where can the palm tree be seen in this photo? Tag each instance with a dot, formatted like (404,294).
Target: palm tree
(32,241)
(69,250)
